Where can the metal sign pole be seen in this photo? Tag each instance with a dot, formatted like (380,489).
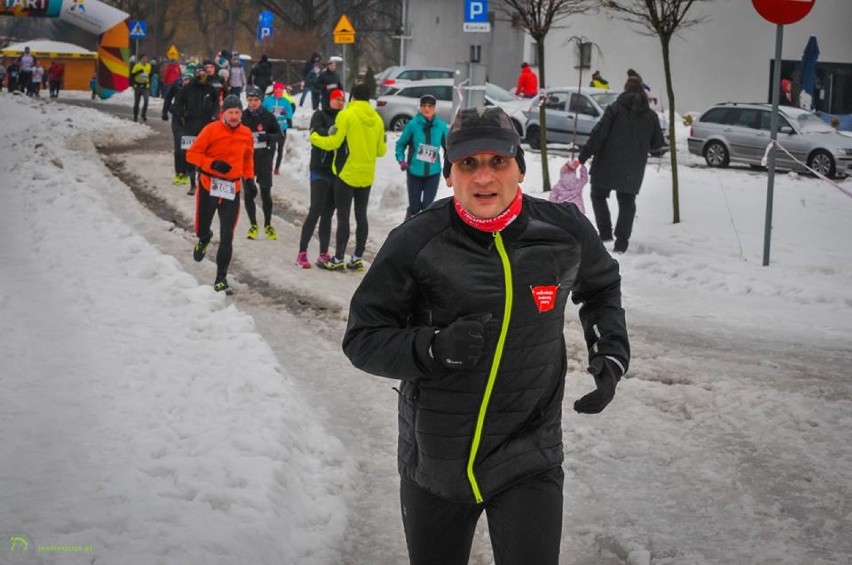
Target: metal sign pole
(773,135)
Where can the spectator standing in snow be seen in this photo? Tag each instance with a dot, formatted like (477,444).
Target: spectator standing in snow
(140,77)
(54,77)
(36,80)
(224,155)
(360,128)
(322,177)
(327,81)
(26,62)
(12,75)
(237,77)
(465,305)
(527,82)
(598,81)
(423,137)
(281,106)
(266,132)
(620,143)
(310,72)
(261,73)
(569,188)
(170,108)
(197,106)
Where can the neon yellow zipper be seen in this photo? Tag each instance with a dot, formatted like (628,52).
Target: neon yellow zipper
(495,366)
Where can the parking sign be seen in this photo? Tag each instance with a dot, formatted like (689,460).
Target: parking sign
(476,16)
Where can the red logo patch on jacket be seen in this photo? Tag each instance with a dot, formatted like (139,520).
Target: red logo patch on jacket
(545,297)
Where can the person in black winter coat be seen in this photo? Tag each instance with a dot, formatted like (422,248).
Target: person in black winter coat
(170,108)
(322,177)
(620,143)
(465,306)
(197,105)
(327,81)
(261,74)
(266,131)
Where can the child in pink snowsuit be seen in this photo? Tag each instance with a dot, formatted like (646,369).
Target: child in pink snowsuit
(569,188)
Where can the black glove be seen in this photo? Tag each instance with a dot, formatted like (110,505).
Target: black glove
(606,374)
(220,167)
(250,186)
(459,345)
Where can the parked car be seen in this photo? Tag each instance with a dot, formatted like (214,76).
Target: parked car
(565,103)
(740,132)
(396,75)
(402,103)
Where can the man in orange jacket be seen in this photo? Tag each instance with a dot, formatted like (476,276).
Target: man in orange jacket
(224,155)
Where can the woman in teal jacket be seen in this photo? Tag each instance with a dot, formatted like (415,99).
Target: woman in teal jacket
(423,136)
(281,105)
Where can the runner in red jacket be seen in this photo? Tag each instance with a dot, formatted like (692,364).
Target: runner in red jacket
(224,154)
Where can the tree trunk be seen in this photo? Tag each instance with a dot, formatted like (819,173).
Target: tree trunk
(667,67)
(542,117)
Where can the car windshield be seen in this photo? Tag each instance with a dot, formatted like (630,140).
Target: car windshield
(811,123)
(604,99)
(498,94)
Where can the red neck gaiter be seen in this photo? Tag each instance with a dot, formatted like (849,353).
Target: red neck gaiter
(498,222)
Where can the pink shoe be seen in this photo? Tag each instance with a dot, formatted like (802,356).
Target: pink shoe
(323,259)
(302,260)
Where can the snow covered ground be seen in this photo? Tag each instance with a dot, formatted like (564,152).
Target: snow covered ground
(146,419)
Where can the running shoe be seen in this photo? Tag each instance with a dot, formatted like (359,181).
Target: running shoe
(199,251)
(253,231)
(333,264)
(270,232)
(184,178)
(277,172)
(191,191)
(323,259)
(222,286)
(178,179)
(356,264)
(302,260)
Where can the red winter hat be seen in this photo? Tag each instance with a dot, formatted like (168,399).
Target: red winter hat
(336,93)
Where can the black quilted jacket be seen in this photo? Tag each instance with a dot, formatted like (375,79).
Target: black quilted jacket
(466,435)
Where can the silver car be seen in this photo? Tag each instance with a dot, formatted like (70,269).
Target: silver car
(396,76)
(565,106)
(739,132)
(402,103)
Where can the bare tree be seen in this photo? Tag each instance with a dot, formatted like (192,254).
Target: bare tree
(663,18)
(538,17)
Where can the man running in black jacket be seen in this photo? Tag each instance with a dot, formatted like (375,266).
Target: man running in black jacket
(266,131)
(465,305)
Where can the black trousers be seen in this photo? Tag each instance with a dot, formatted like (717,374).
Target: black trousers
(344,195)
(322,210)
(206,207)
(279,149)
(180,154)
(524,521)
(138,93)
(626,214)
(263,176)
(421,192)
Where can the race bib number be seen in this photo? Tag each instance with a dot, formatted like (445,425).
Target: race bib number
(427,153)
(223,189)
(186,141)
(142,78)
(259,139)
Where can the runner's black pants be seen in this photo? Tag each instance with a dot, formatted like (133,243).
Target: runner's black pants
(344,195)
(524,521)
(206,207)
(263,172)
(322,210)
(140,92)
(421,192)
(180,154)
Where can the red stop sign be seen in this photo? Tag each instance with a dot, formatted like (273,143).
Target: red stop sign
(783,12)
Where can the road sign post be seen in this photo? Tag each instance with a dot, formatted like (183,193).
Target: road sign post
(781,13)
(344,33)
(138,30)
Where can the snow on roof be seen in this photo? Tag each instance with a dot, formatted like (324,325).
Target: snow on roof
(47,46)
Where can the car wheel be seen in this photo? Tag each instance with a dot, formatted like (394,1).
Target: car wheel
(518,127)
(398,123)
(822,162)
(534,137)
(716,154)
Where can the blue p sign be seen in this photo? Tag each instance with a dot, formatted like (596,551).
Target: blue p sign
(476,11)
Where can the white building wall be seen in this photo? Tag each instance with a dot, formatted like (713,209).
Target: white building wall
(726,58)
